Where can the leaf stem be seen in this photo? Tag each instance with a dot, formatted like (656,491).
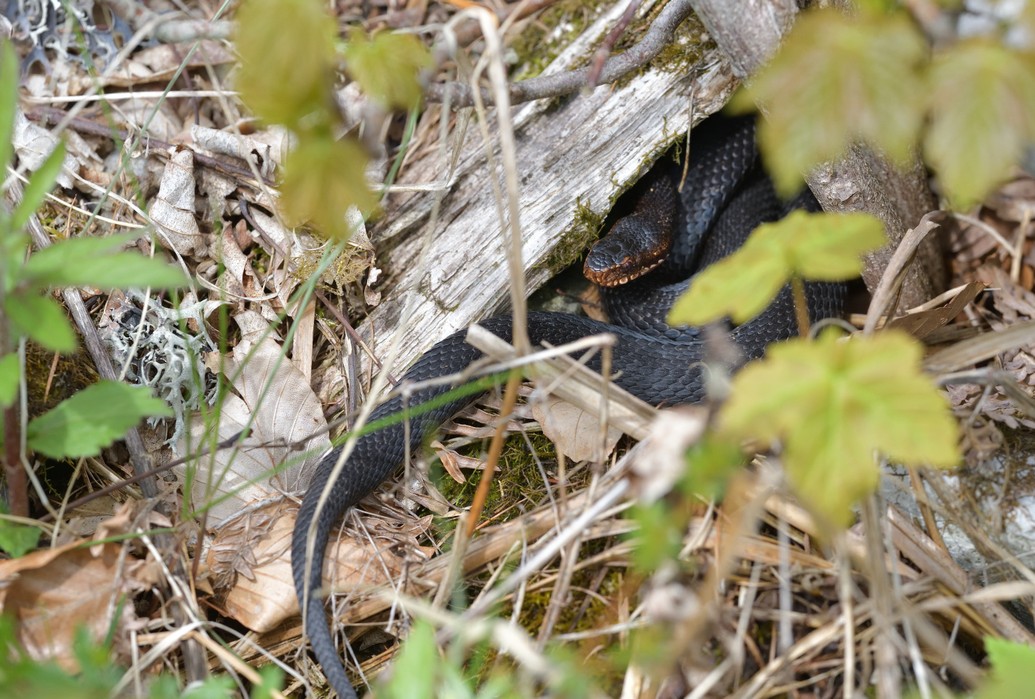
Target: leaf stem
(801,305)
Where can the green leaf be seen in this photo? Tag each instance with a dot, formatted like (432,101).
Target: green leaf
(271,682)
(823,247)
(8,103)
(41,182)
(833,404)
(323,178)
(658,536)
(92,419)
(12,255)
(91,261)
(287,59)
(836,79)
(10,375)
(42,319)
(18,539)
(829,247)
(711,463)
(982,106)
(416,665)
(388,67)
(1011,674)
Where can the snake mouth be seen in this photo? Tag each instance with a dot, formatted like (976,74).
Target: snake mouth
(619,275)
(636,245)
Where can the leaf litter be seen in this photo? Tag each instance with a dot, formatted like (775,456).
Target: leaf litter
(749,561)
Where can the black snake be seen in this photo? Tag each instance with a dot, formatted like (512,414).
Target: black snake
(724,197)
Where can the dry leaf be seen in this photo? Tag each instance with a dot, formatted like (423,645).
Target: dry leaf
(277,404)
(51,593)
(162,62)
(264,595)
(173,208)
(244,148)
(33,144)
(575,433)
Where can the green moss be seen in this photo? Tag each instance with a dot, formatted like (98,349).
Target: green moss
(515,484)
(582,232)
(348,268)
(543,39)
(683,54)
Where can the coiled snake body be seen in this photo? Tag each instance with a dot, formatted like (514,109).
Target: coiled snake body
(724,197)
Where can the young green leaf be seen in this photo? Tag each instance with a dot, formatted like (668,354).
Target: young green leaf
(982,106)
(657,537)
(8,102)
(1011,674)
(838,78)
(41,182)
(823,247)
(388,67)
(91,261)
(12,254)
(833,404)
(42,319)
(287,59)
(92,419)
(711,464)
(18,539)
(416,667)
(10,375)
(323,178)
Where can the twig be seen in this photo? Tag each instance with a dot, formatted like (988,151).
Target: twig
(51,116)
(657,37)
(608,44)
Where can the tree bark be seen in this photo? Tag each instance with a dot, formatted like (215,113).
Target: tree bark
(749,33)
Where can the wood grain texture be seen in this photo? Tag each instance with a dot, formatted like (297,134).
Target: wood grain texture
(585,149)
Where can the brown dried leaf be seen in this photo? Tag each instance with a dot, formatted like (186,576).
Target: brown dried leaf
(276,403)
(173,208)
(52,592)
(575,432)
(260,544)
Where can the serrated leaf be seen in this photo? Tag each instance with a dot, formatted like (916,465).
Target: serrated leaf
(836,79)
(41,182)
(287,59)
(982,106)
(388,67)
(1011,674)
(8,102)
(822,247)
(91,261)
(834,405)
(42,319)
(92,419)
(739,286)
(829,247)
(18,539)
(322,179)
(10,375)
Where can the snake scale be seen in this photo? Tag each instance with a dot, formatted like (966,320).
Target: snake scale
(724,197)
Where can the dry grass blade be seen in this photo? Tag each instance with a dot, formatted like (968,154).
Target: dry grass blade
(895,272)
(575,383)
(981,348)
